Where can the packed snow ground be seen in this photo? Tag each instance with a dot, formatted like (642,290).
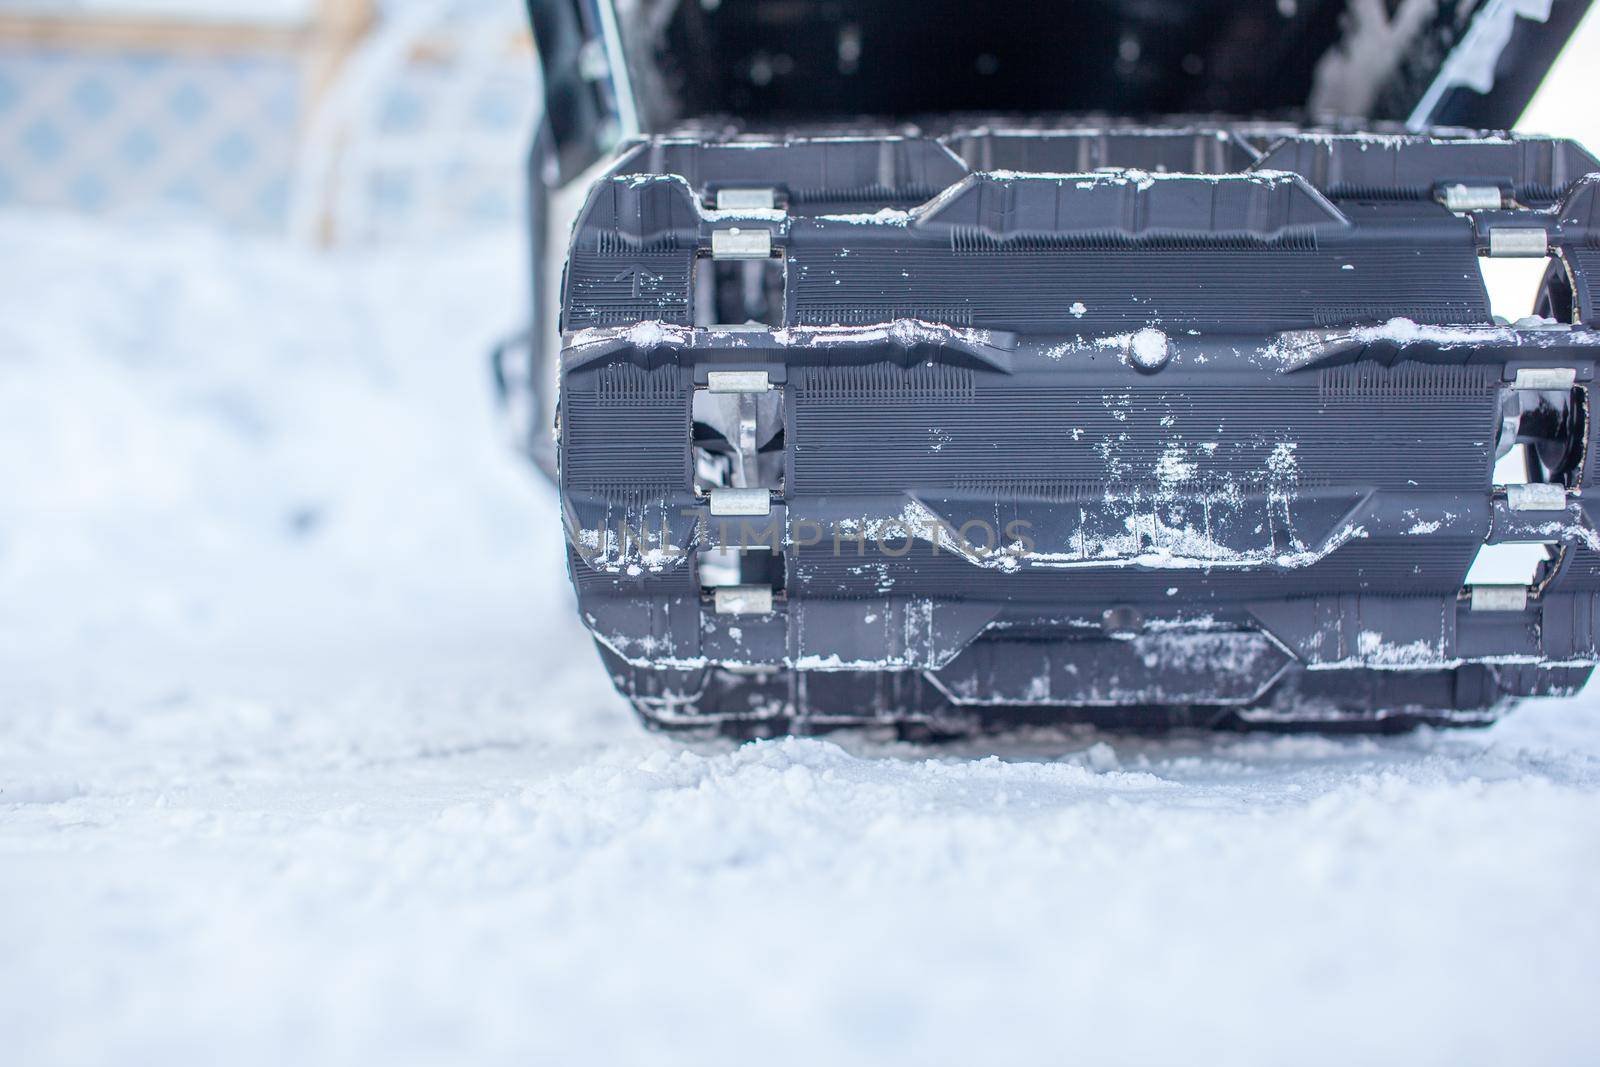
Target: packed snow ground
(303,759)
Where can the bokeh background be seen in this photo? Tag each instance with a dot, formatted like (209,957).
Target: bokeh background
(337,121)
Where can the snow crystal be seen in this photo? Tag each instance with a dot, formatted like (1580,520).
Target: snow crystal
(648,334)
(1148,348)
(1282,461)
(1140,179)
(1174,467)
(887,216)
(1375,651)
(904,331)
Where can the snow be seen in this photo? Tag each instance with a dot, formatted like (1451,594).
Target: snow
(304,758)
(905,332)
(886,216)
(651,333)
(1148,348)
(1140,179)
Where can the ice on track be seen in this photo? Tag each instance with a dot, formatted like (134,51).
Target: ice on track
(304,759)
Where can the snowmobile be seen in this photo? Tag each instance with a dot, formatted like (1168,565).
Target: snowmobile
(1047,394)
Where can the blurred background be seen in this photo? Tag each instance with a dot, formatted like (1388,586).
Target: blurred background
(332,121)
(253,256)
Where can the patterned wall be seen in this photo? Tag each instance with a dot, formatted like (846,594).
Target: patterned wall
(423,131)
(147,133)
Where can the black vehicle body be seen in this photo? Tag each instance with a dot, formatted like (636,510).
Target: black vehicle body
(1014,416)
